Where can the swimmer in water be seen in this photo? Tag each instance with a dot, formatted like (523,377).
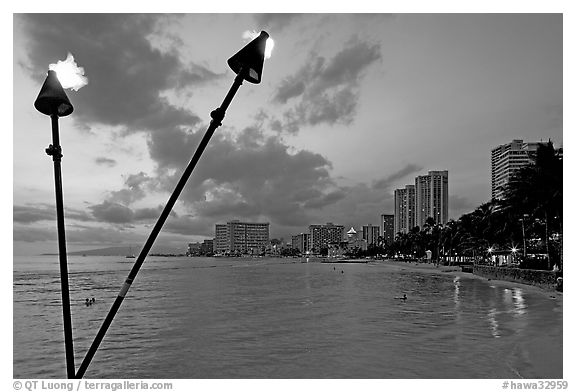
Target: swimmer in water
(93,300)
(87,302)
(404,297)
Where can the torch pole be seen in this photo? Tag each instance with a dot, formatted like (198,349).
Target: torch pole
(56,152)
(217,117)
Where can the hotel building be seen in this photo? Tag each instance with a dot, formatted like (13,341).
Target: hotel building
(403,209)
(387,228)
(300,242)
(320,236)
(428,197)
(507,159)
(431,198)
(370,234)
(241,237)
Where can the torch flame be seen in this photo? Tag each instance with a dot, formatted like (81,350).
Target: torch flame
(251,34)
(69,73)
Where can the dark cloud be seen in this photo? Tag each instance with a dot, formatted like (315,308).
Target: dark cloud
(290,88)
(126,73)
(102,236)
(115,213)
(361,205)
(147,214)
(274,23)
(112,212)
(91,237)
(324,91)
(324,200)
(105,161)
(386,182)
(135,186)
(250,176)
(31,214)
(26,214)
(190,225)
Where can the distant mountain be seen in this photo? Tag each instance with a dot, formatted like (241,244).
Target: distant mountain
(125,251)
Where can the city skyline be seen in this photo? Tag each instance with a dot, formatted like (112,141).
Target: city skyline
(339,121)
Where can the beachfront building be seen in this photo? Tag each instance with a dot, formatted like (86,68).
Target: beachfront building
(431,198)
(404,209)
(370,234)
(300,242)
(193,249)
(221,239)
(507,159)
(354,241)
(387,228)
(200,248)
(236,237)
(207,247)
(321,236)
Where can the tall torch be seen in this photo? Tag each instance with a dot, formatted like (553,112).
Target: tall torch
(247,64)
(52,101)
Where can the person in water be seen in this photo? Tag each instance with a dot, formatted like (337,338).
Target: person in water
(404,297)
(93,300)
(87,302)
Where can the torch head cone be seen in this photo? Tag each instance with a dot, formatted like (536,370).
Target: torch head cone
(52,99)
(250,59)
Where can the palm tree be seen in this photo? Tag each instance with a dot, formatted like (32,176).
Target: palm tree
(536,190)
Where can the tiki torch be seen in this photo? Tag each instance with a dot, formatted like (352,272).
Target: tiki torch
(247,64)
(52,101)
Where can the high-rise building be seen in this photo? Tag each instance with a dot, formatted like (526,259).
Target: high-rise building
(221,239)
(387,228)
(320,236)
(241,237)
(300,242)
(404,209)
(370,234)
(431,198)
(505,160)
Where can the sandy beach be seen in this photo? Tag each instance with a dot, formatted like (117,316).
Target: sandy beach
(457,271)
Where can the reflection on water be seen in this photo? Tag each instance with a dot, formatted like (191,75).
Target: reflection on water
(457,310)
(519,305)
(493,322)
(277,318)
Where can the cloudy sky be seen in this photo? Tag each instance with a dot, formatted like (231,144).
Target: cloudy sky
(350,108)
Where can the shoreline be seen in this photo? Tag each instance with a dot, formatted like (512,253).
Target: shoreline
(457,271)
(538,359)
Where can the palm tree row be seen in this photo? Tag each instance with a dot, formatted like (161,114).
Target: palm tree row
(528,219)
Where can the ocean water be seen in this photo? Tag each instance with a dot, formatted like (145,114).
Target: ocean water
(197,318)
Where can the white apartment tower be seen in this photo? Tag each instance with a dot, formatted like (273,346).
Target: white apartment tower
(403,209)
(431,198)
(241,237)
(506,159)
